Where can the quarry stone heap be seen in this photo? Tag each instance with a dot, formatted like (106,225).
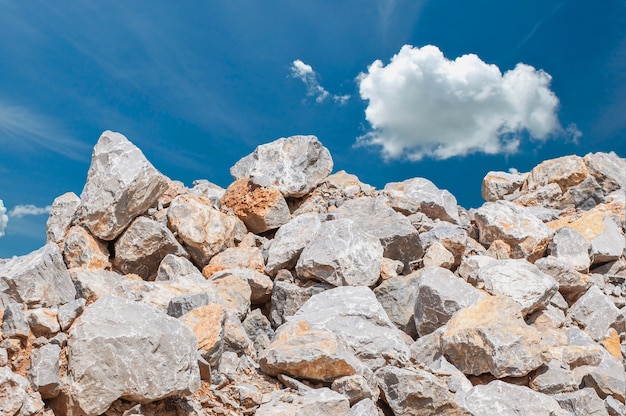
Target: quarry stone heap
(296,290)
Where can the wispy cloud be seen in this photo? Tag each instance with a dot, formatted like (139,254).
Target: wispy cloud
(20,126)
(4,220)
(23,210)
(308,76)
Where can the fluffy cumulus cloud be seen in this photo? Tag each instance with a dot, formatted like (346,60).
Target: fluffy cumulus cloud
(3,218)
(23,210)
(423,104)
(308,76)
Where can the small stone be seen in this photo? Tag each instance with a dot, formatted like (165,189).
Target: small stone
(390,268)
(173,267)
(235,258)
(234,292)
(499,250)
(355,388)
(608,169)
(312,402)
(438,256)
(43,321)
(180,305)
(572,284)
(288,297)
(260,285)
(365,407)
(554,377)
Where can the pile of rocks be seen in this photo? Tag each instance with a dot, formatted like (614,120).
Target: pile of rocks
(298,291)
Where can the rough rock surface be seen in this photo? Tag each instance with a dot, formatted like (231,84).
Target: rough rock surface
(398,296)
(293,165)
(81,249)
(420,194)
(63,211)
(121,184)
(117,339)
(289,241)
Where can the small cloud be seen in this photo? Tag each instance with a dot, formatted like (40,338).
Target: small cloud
(4,220)
(308,76)
(423,104)
(23,210)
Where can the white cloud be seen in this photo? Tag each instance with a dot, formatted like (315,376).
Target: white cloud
(423,104)
(308,76)
(3,218)
(23,210)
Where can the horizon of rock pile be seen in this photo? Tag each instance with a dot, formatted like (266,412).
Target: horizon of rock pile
(301,291)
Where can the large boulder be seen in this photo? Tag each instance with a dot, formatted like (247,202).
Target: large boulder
(421,195)
(121,184)
(566,171)
(293,165)
(290,240)
(81,249)
(496,185)
(117,339)
(63,211)
(594,312)
(608,169)
(398,295)
(341,254)
(527,235)
(38,278)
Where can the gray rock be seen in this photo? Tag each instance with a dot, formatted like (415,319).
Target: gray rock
(595,313)
(419,194)
(582,403)
(354,314)
(236,338)
(571,247)
(491,337)
(438,256)
(341,254)
(608,170)
(584,196)
(572,284)
(607,378)
(208,190)
(427,349)
(521,281)
(413,391)
(609,245)
(301,351)
(452,237)
(44,370)
(288,297)
(63,211)
(365,407)
(38,278)
(81,249)
(554,377)
(143,245)
(43,322)
(289,241)
(260,285)
(15,398)
(259,329)
(614,407)
(121,184)
(234,293)
(180,305)
(293,165)
(400,240)
(440,295)
(14,322)
(204,230)
(313,402)
(471,266)
(397,295)
(94,283)
(67,313)
(173,267)
(504,399)
(502,220)
(498,184)
(117,339)
(355,387)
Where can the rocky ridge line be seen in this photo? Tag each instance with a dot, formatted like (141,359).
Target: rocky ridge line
(298,291)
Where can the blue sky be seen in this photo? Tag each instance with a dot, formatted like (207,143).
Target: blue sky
(197,85)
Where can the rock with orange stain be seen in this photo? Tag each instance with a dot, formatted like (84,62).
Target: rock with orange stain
(204,230)
(260,285)
(234,293)
(207,324)
(572,284)
(313,354)
(566,171)
(293,165)
(235,258)
(571,247)
(61,216)
(608,169)
(43,322)
(261,209)
(421,195)
(81,249)
(498,184)
(492,337)
(612,343)
(527,236)
(596,314)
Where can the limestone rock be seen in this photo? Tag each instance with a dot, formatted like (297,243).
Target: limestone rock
(290,240)
(121,184)
(173,267)
(287,298)
(354,314)
(566,171)
(235,258)
(143,245)
(341,254)
(63,211)
(569,246)
(293,165)
(44,370)
(38,278)
(504,399)
(595,313)
(356,388)
(14,322)
(43,321)
(398,237)
(582,403)
(204,230)
(81,249)
(609,245)
(234,292)
(117,339)
(260,208)
(554,377)
(313,402)
(303,352)
(438,256)
(572,284)
(260,285)
(207,324)
(365,407)
(208,190)
(440,295)
(498,184)
(452,237)
(15,397)
(608,169)
(525,233)
(398,295)
(67,313)
(420,194)
(92,284)
(520,280)
(259,329)
(491,337)
(413,391)
(180,305)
